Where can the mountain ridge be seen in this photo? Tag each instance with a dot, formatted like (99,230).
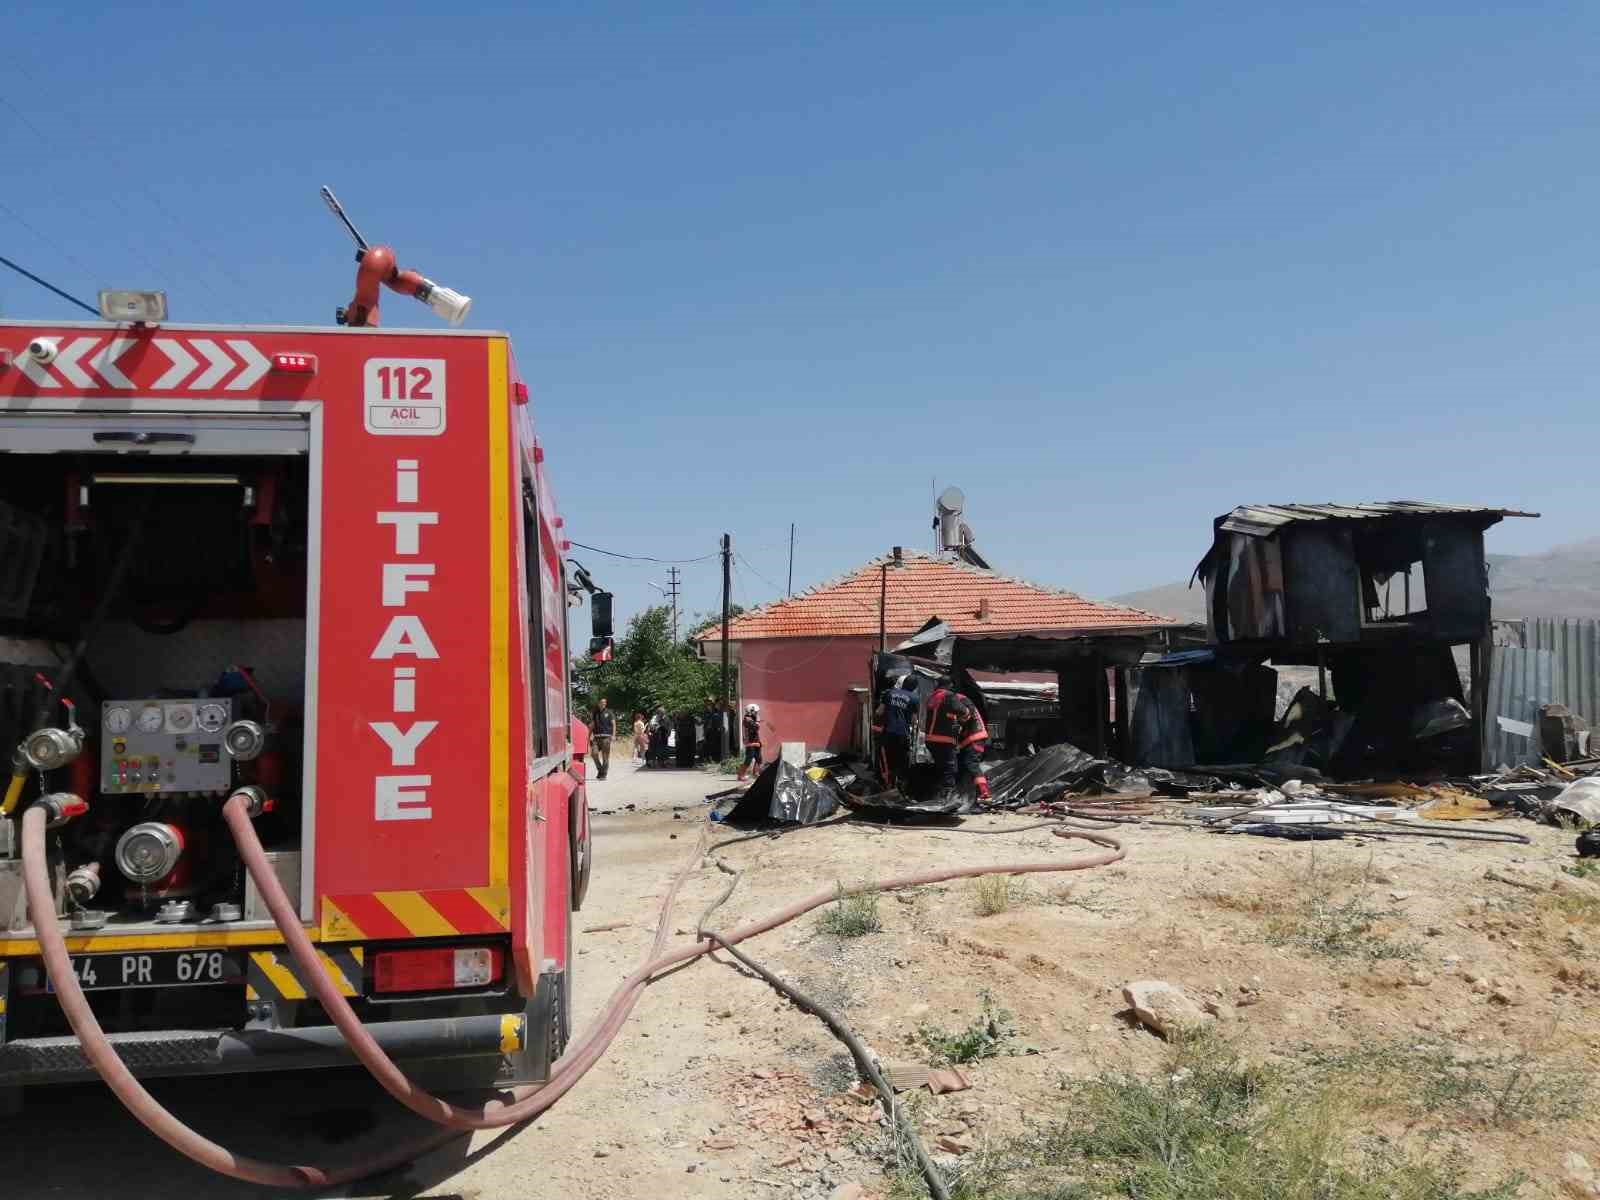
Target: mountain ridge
(1563,581)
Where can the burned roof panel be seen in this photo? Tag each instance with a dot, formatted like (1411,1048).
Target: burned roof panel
(1263,520)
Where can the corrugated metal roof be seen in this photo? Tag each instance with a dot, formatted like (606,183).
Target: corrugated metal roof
(971,602)
(1264,519)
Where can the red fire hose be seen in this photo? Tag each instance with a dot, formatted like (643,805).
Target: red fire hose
(527,1102)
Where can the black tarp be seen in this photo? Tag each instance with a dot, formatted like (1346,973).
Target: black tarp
(1043,776)
(881,806)
(784,793)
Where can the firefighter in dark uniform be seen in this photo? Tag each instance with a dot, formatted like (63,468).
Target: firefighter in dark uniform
(892,722)
(956,738)
(752,741)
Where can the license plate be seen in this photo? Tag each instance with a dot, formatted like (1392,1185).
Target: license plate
(167,968)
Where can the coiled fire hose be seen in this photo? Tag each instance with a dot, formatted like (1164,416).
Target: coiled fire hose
(527,1102)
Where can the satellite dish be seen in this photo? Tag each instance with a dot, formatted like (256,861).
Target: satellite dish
(948,518)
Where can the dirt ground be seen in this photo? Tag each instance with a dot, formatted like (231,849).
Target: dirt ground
(718,1088)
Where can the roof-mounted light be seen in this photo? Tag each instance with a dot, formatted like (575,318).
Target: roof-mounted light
(137,308)
(295,364)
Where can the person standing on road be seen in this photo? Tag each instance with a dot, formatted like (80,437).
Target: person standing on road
(897,708)
(956,738)
(752,741)
(659,735)
(641,737)
(602,728)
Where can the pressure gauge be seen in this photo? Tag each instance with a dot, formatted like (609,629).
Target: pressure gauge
(150,719)
(212,717)
(118,719)
(180,718)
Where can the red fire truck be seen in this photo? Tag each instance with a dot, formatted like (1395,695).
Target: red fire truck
(322,568)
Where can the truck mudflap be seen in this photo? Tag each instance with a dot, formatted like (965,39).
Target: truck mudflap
(208,1052)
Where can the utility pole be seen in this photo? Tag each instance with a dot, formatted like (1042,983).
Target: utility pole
(727,581)
(789,591)
(672,591)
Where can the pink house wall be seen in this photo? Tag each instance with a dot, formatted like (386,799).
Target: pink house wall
(803,687)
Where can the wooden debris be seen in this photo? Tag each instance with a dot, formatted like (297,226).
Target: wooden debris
(947,1080)
(905,1076)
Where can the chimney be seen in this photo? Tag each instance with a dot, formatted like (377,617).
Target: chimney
(983,608)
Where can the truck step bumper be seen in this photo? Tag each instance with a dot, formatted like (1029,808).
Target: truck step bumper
(217,1052)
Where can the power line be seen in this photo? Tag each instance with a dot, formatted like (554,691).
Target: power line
(45,283)
(185,229)
(645,557)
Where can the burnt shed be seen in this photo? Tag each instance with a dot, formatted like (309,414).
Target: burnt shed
(1348,574)
(1377,597)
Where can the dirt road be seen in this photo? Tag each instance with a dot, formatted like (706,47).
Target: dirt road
(717,1088)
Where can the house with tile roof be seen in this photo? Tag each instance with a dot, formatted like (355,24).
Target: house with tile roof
(806,660)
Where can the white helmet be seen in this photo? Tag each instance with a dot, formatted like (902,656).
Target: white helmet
(753,709)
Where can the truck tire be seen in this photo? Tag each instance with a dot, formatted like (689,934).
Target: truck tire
(561,1024)
(580,857)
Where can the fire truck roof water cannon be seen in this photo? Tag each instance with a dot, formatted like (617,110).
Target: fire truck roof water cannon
(378,267)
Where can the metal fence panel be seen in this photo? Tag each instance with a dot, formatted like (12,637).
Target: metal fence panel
(1550,660)
(1519,682)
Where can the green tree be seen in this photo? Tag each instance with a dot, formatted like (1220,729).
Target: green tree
(646,670)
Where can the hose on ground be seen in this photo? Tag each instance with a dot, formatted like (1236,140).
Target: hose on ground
(864,1063)
(526,1103)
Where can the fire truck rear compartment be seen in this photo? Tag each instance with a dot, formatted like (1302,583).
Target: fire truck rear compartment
(178,583)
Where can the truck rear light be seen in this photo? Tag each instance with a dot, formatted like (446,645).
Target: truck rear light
(295,364)
(436,970)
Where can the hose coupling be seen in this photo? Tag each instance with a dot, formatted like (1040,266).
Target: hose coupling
(49,749)
(256,800)
(83,883)
(61,807)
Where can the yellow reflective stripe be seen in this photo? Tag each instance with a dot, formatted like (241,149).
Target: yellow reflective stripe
(336,973)
(510,1034)
(359,953)
(496,902)
(416,914)
(187,940)
(499,599)
(279,975)
(250,993)
(337,925)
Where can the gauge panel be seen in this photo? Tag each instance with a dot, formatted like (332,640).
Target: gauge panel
(154,746)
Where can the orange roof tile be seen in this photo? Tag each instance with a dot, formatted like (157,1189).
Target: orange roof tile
(967,598)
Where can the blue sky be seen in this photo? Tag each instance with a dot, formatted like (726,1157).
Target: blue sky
(1110,269)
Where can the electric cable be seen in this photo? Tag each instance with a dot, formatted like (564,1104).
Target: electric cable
(46,284)
(644,557)
(185,228)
